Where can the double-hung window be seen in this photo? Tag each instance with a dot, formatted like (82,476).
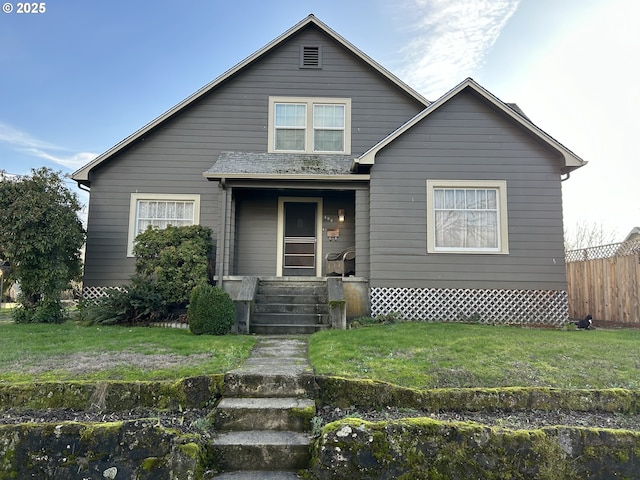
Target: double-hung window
(160,211)
(320,125)
(328,128)
(290,125)
(467,216)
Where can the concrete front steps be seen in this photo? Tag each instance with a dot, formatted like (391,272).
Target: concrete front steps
(264,418)
(293,306)
(279,414)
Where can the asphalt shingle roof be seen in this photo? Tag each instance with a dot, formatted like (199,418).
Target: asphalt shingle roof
(258,163)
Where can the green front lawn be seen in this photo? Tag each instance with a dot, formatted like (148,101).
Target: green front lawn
(418,355)
(70,351)
(438,355)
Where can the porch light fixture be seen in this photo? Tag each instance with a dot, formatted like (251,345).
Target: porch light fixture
(341,215)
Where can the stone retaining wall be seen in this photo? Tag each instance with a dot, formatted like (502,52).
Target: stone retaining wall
(353,448)
(425,448)
(345,393)
(120,450)
(113,396)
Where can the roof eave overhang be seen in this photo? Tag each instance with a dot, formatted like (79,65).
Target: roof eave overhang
(570,159)
(82,175)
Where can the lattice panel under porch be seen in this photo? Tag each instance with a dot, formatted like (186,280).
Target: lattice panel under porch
(484,306)
(92,293)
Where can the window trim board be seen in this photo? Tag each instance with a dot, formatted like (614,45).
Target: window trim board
(133,210)
(503,226)
(309,128)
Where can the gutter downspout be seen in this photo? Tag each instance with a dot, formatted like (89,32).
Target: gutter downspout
(565,178)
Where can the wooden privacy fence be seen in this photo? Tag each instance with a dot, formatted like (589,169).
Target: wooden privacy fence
(604,282)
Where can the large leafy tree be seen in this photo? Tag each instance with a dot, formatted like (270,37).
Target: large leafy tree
(41,237)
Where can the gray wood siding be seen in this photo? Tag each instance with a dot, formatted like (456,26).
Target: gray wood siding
(467,140)
(363,218)
(232,117)
(256,234)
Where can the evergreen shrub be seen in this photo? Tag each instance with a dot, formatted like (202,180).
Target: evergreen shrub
(137,304)
(176,259)
(211,311)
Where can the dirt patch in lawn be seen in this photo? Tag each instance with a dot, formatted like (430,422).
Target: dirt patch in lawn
(85,362)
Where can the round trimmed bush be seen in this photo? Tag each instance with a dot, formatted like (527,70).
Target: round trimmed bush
(211,311)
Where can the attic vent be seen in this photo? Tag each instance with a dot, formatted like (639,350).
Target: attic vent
(310,56)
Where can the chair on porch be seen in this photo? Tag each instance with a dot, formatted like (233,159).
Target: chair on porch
(342,263)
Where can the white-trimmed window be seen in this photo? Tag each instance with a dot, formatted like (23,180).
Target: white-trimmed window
(467,216)
(310,125)
(160,210)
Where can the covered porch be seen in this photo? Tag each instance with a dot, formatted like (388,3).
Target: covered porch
(282,214)
(292,218)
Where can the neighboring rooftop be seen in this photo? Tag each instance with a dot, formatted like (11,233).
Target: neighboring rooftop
(634,234)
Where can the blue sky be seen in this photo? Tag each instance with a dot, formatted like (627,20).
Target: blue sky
(83,75)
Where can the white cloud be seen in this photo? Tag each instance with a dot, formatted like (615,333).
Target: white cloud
(72,162)
(41,149)
(581,91)
(450,40)
(21,139)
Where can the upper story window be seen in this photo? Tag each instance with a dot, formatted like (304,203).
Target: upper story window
(310,125)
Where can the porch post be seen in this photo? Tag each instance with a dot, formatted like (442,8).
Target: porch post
(222,234)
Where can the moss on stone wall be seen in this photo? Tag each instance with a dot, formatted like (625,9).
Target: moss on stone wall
(305,414)
(138,449)
(113,396)
(426,448)
(344,393)
(351,448)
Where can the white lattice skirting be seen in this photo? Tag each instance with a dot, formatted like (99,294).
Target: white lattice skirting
(92,293)
(484,306)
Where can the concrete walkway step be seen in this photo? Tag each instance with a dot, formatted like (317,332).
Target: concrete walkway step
(267,450)
(265,414)
(277,367)
(287,329)
(269,385)
(281,414)
(310,319)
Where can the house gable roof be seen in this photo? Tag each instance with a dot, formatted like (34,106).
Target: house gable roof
(571,160)
(82,175)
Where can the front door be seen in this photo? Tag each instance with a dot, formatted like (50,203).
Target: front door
(300,244)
